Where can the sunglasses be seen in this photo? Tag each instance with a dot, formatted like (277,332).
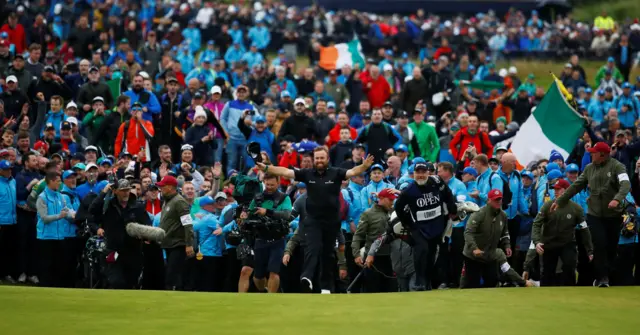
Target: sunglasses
(136,109)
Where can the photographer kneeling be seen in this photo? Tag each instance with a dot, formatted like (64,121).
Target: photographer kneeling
(268,217)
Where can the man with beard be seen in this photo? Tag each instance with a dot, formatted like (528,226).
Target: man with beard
(413,90)
(306,84)
(334,133)
(49,84)
(379,137)
(124,259)
(298,125)
(104,136)
(18,70)
(422,208)
(13,98)
(5,56)
(173,103)
(323,122)
(94,88)
(322,224)
(148,100)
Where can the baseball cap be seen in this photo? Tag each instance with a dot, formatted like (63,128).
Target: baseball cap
(620,132)
(626,85)
(91,148)
(78,156)
(553,166)
(401,147)
(94,69)
(12,79)
(600,147)
(611,60)
(98,99)
(220,195)
(206,200)
(72,104)
(387,103)
(494,194)
(172,80)
(123,184)
(186,147)
(421,166)
(561,184)
(41,145)
(301,185)
(300,101)
(367,116)
(216,90)
(601,92)
(49,126)
(5,165)
(198,95)
(331,104)
(503,148)
(90,166)
(285,94)
(376,167)
(79,166)
(66,125)
(554,174)
(68,173)
(360,146)
(403,114)
(572,168)
(471,171)
(103,161)
(124,154)
(387,193)
(168,180)
(260,119)
(49,68)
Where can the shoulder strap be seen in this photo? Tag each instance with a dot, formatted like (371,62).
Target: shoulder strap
(124,135)
(350,192)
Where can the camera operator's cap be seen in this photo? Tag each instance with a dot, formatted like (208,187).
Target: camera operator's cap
(91,148)
(49,69)
(5,165)
(376,167)
(600,147)
(72,104)
(168,180)
(66,125)
(388,194)
(12,79)
(68,173)
(90,166)
(207,200)
(572,168)
(259,119)
(123,184)
(98,99)
(561,184)
(495,194)
(186,147)
(79,166)
(471,171)
(331,104)
(216,90)
(503,148)
(94,69)
(220,195)
(300,101)
(401,147)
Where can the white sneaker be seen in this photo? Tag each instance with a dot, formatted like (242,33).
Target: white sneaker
(325,292)
(22,279)
(535,283)
(34,280)
(307,286)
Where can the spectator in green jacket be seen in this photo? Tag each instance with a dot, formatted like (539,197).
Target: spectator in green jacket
(611,65)
(93,119)
(427,138)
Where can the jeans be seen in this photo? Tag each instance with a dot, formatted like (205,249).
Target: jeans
(220,148)
(235,152)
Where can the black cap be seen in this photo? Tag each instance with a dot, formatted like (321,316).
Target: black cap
(49,126)
(19,55)
(198,95)
(94,69)
(370,60)
(367,116)
(124,154)
(65,125)
(494,160)
(421,166)
(172,79)
(387,103)
(403,114)
(49,68)
(360,146)
(78,156)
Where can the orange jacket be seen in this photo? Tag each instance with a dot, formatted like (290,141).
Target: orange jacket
(135,139)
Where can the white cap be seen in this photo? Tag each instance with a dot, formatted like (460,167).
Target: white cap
(89,166)
(503,72)
(199,112)
(513,70)
(11,78)
(387,67)
(216,89)
(72,119)
(144,74)
(184,6)
(447,23)
(72,104)
(408,78)
(300,101)
(472,30)
(220,195)
(91,147)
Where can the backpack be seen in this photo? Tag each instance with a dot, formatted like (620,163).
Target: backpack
(246,188)
(507,195)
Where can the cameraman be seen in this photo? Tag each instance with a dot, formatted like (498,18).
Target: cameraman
(258,133)
(274,208)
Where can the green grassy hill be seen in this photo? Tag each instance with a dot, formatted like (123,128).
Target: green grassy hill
(541,311)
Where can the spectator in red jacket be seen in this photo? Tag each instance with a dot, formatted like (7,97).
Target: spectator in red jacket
(470,136)
(334,134)
(17,35)
(376,88)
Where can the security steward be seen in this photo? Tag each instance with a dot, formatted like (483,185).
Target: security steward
(422,208)
(373,223)
(608,184)
(270,243)
(124,260)
(176,221)
(322,224)
(486,231)
(554,237)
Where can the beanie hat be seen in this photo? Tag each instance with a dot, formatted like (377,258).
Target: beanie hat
(555,155)
(199,112)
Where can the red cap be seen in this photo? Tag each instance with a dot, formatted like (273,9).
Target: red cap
(168,180)
(4,43)
(41,145)
(600,147)
(228,192)
(387,193)
(561,183)
(494,194)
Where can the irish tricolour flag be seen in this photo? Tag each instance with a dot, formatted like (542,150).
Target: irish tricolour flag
(338,55)
(554,124)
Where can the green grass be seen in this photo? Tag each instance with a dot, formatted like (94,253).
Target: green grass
(620,10)
(25,310)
